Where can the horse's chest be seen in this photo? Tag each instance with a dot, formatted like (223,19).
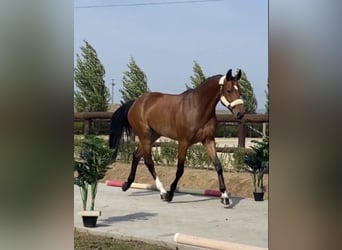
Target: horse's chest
(202,134)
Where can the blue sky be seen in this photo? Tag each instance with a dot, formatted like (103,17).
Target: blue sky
(164,40)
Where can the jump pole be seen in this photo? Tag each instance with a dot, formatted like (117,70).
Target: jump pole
(211,244)
(206,192)
(134,185)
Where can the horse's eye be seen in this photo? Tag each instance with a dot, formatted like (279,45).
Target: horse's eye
(229,91)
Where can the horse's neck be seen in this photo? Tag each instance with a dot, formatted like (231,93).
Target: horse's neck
(207,96)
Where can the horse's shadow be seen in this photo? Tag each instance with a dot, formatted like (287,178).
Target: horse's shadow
(143,193)
(128,217)
(150,192)
(176,201)
(235,200)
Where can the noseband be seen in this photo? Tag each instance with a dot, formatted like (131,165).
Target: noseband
(223,99)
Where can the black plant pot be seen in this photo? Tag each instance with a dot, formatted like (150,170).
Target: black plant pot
(258,196)
(89,221)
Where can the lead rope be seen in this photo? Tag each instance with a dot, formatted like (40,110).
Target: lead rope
(257,131)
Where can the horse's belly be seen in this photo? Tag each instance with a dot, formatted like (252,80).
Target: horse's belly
(165,128)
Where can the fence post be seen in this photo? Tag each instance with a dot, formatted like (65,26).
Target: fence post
(242,135)
(87,127)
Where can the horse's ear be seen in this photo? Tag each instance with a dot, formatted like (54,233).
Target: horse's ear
(229,75)
(238,75)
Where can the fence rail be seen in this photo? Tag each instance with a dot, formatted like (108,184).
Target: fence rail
(89,117)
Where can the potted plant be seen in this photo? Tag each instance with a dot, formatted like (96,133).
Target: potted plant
(257,164)
(90,165)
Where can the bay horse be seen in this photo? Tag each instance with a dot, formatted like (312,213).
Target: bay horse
(188,117)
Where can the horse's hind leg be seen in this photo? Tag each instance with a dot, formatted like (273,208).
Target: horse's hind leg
(147,148)
(150,165)
(211,150)
(137,154)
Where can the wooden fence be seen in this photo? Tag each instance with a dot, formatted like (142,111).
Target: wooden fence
(89,117)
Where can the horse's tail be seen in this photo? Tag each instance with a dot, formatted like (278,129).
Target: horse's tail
(119,123)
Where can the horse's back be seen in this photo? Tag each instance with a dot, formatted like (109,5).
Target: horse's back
(157,101)
(157,111)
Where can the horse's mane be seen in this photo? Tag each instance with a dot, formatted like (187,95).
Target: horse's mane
(202,83)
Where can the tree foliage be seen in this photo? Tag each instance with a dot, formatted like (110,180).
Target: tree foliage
(197,78)
(134,82)
(91,93)
(247,94)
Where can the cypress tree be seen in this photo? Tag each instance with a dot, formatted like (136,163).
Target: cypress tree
(134,82)
(91,93)
(197,78)
(247,94)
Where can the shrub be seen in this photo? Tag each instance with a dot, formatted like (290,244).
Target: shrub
(169,152)
(156,156)
(238,159)
(225,159)
(197,157)
(78,128)
(126,150)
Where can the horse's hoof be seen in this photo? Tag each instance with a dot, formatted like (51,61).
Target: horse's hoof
(125,186)
(168,196)
(162,196)
(225,202)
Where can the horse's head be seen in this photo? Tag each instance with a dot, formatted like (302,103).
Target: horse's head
(230,94)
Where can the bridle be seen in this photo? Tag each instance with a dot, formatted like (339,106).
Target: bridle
(223,99)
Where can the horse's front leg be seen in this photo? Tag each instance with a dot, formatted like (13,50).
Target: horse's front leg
(182,148)
(211,150)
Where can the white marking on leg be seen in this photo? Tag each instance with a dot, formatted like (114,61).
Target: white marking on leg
(160,186)
(225,195)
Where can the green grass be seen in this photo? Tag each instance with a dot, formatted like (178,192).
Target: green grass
(86,241)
